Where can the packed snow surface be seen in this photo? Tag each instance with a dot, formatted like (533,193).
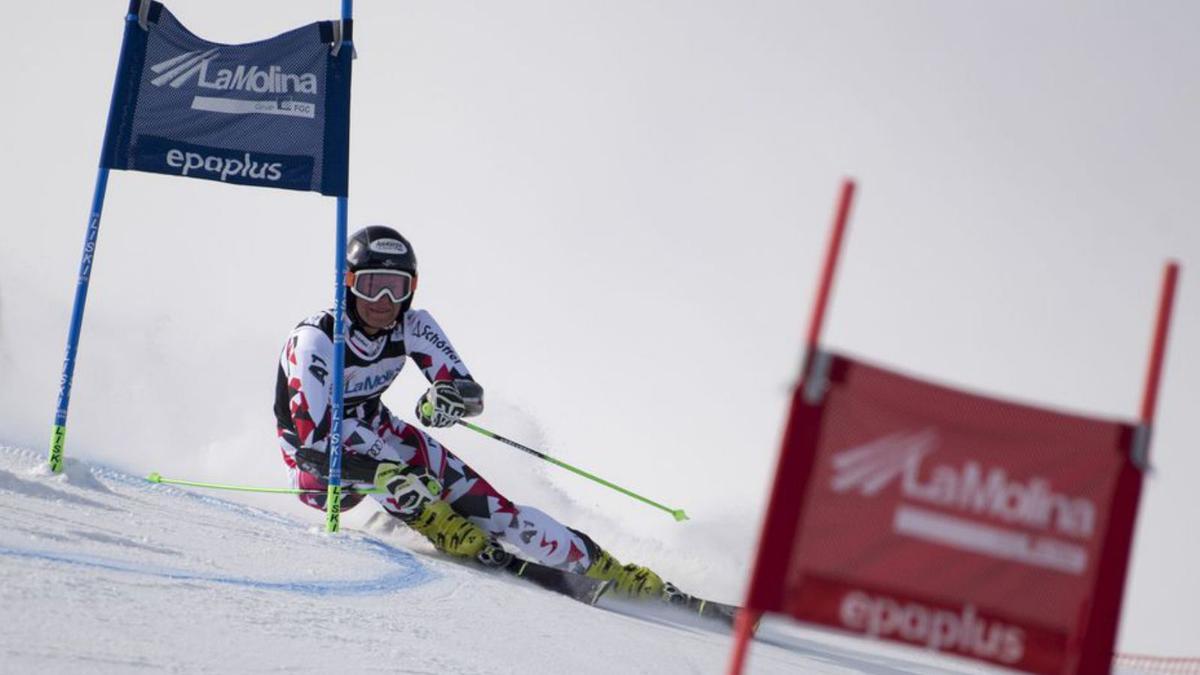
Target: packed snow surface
(101,571)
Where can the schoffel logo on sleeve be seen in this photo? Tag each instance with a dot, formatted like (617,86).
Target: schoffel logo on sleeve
(434,337)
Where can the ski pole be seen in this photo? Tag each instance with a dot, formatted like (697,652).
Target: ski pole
(157,478)
(677,513)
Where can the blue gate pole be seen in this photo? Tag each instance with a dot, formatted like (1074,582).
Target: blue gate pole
(333,496)
(58,435)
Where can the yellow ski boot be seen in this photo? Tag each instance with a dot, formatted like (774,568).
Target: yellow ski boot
(632,581)
(448,531)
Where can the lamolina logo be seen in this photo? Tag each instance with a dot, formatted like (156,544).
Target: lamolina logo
(872,467)
(369,382)
(963,631)
(271,79)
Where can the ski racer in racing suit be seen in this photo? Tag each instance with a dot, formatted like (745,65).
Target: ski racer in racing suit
(428,487)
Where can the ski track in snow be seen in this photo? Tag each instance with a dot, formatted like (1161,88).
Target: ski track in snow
(409,575)
(101,571)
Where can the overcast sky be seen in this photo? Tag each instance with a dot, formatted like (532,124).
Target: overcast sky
(619,210)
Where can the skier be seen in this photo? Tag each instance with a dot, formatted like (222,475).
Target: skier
(427,486)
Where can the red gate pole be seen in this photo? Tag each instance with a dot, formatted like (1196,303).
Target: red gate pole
(1154,371)
(1105,614)
(770,560)
(831,257)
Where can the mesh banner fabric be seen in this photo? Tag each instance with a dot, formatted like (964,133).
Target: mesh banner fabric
(956,522)
(273,113)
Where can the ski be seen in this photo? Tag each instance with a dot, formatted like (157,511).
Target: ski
(575,586)
(712,610)
(698,606)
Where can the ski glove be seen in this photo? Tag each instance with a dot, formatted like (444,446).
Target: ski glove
(441,406)
(411,487)
(472,395)
(355,467)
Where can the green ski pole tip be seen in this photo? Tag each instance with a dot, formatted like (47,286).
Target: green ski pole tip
(155,477)
(680,516)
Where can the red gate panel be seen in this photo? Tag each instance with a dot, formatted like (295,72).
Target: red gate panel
(950,520)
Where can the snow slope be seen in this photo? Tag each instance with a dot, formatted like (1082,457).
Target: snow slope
(103,572)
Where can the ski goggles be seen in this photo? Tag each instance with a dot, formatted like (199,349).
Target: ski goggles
(371,285)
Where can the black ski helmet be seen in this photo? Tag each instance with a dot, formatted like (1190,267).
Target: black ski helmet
(378,247)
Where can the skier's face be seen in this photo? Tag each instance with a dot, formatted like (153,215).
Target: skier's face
(377,315)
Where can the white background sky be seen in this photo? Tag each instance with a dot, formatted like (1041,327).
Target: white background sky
(619,209)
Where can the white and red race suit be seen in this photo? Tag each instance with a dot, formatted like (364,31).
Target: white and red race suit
(302,409)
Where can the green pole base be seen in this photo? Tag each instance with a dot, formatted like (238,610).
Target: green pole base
(680,516)
(58,440)
(333,508)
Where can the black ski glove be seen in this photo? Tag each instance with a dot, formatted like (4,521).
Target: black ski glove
(355,467)
(441,406)
(472,395)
